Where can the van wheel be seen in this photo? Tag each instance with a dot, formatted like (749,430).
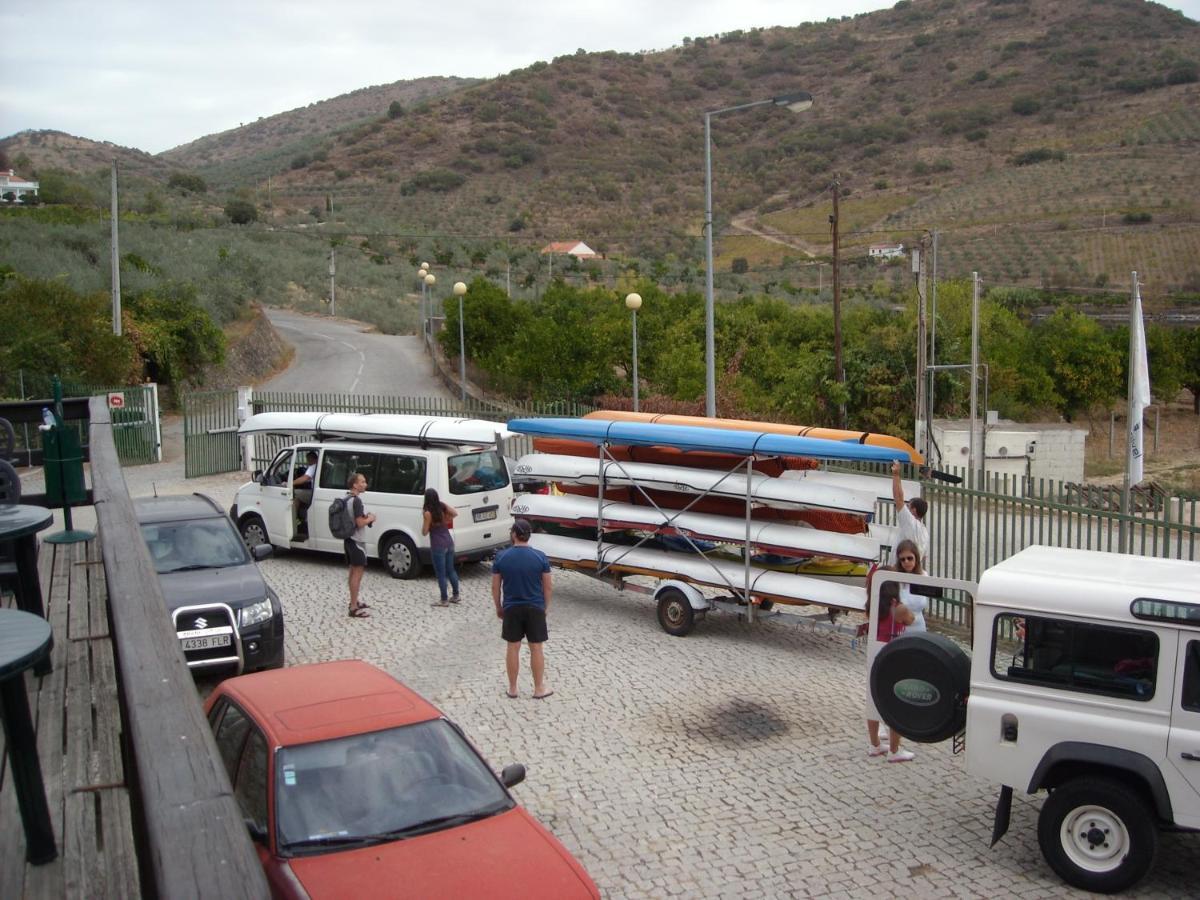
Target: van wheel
(675,614)
(399,557)
(253,531)
(1097,834)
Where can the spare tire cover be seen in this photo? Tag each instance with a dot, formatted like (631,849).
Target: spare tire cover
(919,683)
(10,483)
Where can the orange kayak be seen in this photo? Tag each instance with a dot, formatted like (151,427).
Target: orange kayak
(772,466)
(833,434)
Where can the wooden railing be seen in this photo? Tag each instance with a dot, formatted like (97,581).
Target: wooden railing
(192,840)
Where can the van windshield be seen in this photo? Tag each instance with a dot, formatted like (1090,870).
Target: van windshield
(473,473)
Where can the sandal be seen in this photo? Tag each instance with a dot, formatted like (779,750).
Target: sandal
(360,612)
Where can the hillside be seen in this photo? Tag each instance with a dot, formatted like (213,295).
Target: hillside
(253,147)
(57,150)
(1050,142)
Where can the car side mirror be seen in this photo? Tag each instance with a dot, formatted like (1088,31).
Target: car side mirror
(258,833)
(262,551)
(257,475)
(512,775)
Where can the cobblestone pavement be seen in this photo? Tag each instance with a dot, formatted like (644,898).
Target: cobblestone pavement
(729,763)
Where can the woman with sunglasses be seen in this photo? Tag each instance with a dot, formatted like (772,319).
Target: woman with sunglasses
(908,560)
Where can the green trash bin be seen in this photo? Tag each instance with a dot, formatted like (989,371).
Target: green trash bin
(64,467)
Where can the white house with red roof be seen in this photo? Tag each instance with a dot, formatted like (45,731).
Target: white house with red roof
(11,184)
(578,249)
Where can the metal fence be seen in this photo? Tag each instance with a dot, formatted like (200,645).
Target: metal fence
(210,420)
(978,523)
(137,430)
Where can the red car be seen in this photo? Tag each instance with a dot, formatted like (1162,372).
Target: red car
(355,786)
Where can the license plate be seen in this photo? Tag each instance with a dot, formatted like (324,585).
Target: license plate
(487,514)
(208,642)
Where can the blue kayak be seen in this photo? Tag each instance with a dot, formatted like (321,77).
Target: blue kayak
(692,437)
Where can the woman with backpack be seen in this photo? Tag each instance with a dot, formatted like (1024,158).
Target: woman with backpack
(436,521)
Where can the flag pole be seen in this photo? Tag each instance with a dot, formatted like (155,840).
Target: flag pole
(1137,395)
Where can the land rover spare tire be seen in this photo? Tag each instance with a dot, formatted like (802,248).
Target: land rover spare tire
(919,683)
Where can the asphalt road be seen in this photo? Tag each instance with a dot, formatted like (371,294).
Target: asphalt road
(343,356)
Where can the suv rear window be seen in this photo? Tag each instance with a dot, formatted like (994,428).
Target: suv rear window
(474,473)
(1075,656)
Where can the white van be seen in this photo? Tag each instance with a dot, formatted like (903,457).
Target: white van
(400,456)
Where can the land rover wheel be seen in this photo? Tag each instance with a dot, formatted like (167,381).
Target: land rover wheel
(253,531)
(399,557)
(919,683)
(1097,834)
(675,613)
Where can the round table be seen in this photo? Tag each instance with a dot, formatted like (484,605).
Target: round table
(19,525)
(25,639)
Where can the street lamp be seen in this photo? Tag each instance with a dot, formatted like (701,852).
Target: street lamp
(427,284)
(421,273)
(633,302)
(796,102)
(459,290)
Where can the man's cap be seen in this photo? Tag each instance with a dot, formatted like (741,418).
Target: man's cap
(522,529)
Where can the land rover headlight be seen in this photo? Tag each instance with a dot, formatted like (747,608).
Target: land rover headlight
(253,613)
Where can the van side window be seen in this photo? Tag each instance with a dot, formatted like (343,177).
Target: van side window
(1191,677)
(398,474)
(1075,656)
(281,469)
(338,464)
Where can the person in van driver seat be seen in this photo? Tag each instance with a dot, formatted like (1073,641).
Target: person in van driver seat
(302,495)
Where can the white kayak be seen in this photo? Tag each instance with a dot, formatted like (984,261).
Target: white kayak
(764,490)
(765,537)
(781,587)
(873,484)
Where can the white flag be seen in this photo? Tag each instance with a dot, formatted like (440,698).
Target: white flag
(1139,387)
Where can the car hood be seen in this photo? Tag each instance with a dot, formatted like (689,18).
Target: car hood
(235,585)
(508,855)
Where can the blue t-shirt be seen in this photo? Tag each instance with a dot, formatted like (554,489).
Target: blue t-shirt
(520,570)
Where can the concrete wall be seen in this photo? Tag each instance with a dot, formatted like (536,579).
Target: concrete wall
(1053,451)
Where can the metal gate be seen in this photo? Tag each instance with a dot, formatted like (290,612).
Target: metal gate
(210,441)
(137,431)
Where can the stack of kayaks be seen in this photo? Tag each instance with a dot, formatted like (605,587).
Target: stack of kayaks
(677,501)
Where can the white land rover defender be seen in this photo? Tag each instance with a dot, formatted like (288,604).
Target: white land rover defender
(1083,680)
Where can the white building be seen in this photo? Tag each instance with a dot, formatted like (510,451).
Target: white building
(885,251)
(11,184)
(1050,450)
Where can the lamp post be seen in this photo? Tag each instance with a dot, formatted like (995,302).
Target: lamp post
(459,290)
(421,273)
(429,281)
(796,102)
(633,302)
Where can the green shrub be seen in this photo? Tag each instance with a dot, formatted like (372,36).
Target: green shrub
(1038,155)
(1137,217)
(1026,106)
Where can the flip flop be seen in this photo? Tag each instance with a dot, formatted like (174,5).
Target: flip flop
(360,613)
(511,696)
(543,696)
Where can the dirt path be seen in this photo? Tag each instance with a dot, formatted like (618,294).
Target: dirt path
(744,222)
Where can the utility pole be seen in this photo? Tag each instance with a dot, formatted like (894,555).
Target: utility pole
(116,259)
(932,352)
(839,373)
(332,287)
(919,268)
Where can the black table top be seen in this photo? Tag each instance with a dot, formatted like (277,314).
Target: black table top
(18,520)
(23,639)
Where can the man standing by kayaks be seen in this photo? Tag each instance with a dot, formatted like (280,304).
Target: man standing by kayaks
(910,517)
(521,589)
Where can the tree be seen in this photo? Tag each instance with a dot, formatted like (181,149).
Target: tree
(1084,364)
(241,212)
(186,181)
(395,110)
(740,266)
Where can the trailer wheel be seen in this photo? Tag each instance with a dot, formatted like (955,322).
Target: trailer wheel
(675,613)
(766,605)
(1097,834)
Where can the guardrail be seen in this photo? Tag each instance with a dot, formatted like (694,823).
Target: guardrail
(191,837)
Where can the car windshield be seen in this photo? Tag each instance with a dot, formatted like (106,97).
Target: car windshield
(193,544)
(473,473)
(380,786)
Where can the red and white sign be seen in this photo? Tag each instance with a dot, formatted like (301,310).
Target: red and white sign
(116,400)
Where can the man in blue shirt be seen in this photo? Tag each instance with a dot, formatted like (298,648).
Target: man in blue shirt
(521,576)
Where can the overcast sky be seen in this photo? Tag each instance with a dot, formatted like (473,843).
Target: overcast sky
(153,74)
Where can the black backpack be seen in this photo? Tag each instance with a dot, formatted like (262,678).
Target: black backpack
(341,518)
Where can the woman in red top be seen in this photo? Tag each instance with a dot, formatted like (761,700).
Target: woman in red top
(894,617)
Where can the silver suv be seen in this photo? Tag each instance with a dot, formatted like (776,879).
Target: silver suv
(225,613)
(1083,680)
